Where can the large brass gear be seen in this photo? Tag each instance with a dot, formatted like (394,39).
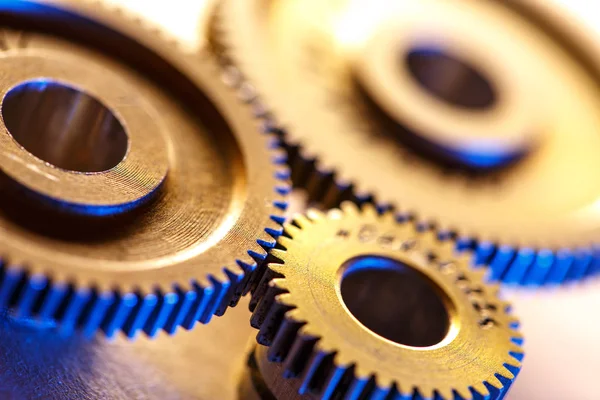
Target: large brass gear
(138,189)
(327,71)
(361,306)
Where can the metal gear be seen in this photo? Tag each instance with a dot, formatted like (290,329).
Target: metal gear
(504,170)
(325,310)
(138,190)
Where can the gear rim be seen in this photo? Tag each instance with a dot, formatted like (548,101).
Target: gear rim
(100,304)
(512,260)
(297,341)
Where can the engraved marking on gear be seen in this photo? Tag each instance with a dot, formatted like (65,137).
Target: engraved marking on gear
(534,221)
(316,339)
(167,237)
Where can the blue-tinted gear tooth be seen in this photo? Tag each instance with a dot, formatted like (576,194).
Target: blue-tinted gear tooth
(219,291)
(29,295)
(161,313)
(118,313)
(335,383)
(517,356)
(476,395)
(495,393)
(9,285)
(359,389)
(139,315)
(542,266)
(274,233)
(232,291)
(257,256)
(180,311)
(309,375)
(519,267)
(484,253)
(199,307)
(506,383)
(94,312)
(70,311)
(500,262)
(560,269)
(581,263)
(52,300)
(267,245)
(282,205)
(280,219)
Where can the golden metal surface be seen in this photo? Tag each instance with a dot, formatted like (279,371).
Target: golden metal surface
(191,146)
(304,53)
(451,333)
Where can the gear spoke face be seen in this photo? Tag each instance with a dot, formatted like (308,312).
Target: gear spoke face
(138,191)
(433,329)
(406,105)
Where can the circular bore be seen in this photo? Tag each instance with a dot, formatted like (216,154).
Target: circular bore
(450,79)
(138,173)
(215,180)
(313,336)
(394,301)
(64,126)
(472,137)
(534,221)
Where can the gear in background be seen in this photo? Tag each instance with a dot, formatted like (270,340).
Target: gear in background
(532,220)
(329,333)
(165,232)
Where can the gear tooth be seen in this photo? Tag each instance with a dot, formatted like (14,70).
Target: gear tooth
(318,366)
(139,315)
(369,211)
(95,312)
(158,317)
(350,208)
(284,242)
(263,303)
(291,231)
(70,311)
(279,255)
(199,307)
(299,354)
(302,221)
(314,214)
(270,323)
(33,289)
(462,393)
(180,311)
(360,388)
(231,283)
(284,338)
(493,383)
(219,292)
(480,391)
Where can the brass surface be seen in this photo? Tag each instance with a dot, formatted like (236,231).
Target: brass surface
(320,337)
(195,153)
(343,128)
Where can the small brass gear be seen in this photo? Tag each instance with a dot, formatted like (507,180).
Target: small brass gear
(361,306)
(138,189)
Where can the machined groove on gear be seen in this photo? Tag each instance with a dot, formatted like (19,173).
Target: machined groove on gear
(157,218)
(314,342)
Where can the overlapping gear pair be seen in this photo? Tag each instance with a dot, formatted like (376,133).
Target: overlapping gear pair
(206,204)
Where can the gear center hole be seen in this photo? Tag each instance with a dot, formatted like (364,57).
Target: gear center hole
(450,79)
(395,301)
(64,126)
